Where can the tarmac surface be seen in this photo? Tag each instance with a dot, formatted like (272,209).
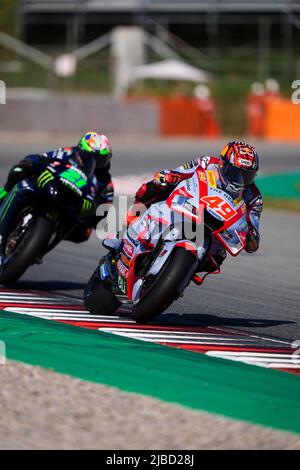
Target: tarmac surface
(257,293)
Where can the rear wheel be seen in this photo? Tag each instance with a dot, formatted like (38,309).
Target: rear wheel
(98,298)
(166,286)
(23,249)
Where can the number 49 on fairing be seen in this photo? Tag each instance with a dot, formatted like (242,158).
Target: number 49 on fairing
(219,206)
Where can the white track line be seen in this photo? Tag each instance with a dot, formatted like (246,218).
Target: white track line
(174,338)
(57,314)
(255,355)
(45,310)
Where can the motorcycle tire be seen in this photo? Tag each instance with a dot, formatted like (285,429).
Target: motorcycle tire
(35,240)
(98,299)
(166,286)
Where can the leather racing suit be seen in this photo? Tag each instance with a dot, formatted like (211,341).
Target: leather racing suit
(100,183)
(163,184)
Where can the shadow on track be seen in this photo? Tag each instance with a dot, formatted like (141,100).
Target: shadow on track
(50,285)
(202,320)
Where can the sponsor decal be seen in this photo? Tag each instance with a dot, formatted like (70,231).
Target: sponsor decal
(202,177)
(127,248)
(71,186)
(188,185)
(86,206)
(204,162)
(123,271)
(122,284)
(44,179)
(125,260)
(238,201)
(187,205)
(223,194)
(190,165)
(242,161)
(211,178)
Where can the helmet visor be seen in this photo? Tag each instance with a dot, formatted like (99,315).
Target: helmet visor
(102,161)
(86,162)
(249,176)
(233,179)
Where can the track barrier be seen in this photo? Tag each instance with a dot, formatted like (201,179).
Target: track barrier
(180,115)
(273,117)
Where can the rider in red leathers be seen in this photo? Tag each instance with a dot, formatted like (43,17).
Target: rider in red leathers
(237,167)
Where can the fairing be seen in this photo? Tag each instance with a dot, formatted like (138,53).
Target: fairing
(163,222)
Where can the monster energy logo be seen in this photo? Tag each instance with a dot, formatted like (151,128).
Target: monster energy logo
(73,176)
(44,178)
(7,204)
(86,206)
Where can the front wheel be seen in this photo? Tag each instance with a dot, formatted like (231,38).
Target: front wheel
(167,285)
(23,250)
(98,299)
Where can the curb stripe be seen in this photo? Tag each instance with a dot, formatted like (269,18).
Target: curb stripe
(262,396)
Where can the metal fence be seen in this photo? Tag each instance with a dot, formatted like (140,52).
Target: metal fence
(68,6)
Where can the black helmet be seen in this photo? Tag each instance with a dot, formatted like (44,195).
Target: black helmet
(238,167)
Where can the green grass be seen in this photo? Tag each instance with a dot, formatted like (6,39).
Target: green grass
(287,204)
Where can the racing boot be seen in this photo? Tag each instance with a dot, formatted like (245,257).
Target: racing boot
(210,265)
(112,243)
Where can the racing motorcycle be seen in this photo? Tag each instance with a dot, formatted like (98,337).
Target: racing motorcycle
(156,260)
(38,213)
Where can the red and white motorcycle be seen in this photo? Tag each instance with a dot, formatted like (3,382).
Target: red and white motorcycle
(164,248)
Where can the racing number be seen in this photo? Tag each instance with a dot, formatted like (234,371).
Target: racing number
(220,206)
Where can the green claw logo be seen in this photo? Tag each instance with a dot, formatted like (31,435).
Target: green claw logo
(86,206)
(44,178)
(7,203)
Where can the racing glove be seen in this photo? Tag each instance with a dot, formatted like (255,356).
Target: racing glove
(158,188)
(252,241)
(25,169)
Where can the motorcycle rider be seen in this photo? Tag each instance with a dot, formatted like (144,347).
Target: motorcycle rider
(92,155)
(237,167)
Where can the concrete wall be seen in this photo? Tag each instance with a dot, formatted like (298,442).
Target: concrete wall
(76,113)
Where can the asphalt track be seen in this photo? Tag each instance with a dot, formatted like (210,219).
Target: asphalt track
(256,293)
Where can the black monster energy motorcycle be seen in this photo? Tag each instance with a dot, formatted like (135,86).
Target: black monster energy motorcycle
(38,213)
